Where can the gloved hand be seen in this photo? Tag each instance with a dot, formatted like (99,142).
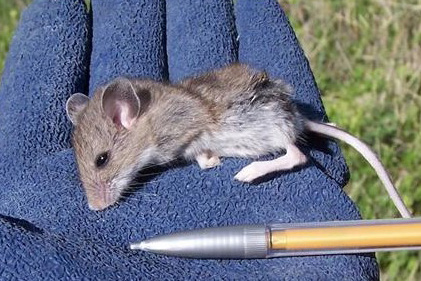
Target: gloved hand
(47,230)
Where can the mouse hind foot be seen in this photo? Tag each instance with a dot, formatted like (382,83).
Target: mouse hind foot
(293,157)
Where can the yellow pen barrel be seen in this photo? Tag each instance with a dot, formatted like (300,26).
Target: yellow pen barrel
(350,236)
(345,237)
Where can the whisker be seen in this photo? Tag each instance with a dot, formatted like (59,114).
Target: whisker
(139,180)
(141,174)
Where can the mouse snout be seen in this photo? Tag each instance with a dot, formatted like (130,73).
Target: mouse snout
(100,196)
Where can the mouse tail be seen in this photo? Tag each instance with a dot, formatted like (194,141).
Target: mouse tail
(332,131)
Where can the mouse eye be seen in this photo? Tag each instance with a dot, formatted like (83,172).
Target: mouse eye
(101,160)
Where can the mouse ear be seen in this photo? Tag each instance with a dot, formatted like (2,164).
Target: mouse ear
(74,105)
(121,103)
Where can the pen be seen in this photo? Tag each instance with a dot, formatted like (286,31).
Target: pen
(288,239)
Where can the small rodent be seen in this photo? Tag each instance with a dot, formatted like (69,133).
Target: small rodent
(235,111)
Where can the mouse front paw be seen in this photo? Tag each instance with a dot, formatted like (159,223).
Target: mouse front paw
(208,160)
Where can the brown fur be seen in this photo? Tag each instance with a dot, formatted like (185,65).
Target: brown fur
(166,126)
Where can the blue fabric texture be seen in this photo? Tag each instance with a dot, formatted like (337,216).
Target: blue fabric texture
(47,231)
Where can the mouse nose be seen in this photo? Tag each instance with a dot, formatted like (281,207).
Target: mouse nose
(100,197)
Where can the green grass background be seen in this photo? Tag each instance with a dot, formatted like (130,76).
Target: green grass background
(366,58)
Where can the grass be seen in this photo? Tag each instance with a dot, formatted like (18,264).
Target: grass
(366,57)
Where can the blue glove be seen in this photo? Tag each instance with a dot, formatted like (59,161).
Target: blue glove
(47,231)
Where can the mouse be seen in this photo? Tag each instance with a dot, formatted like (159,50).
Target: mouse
(232,111)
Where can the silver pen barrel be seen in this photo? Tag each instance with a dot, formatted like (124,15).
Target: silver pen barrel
(230,242)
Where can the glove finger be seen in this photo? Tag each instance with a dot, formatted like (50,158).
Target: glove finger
(46,63)
(201,35)
(128,40)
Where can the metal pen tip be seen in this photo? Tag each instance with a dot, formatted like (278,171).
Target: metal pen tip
(139,246)
(243,241)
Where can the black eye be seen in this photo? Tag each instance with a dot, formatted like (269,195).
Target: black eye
(101,160)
